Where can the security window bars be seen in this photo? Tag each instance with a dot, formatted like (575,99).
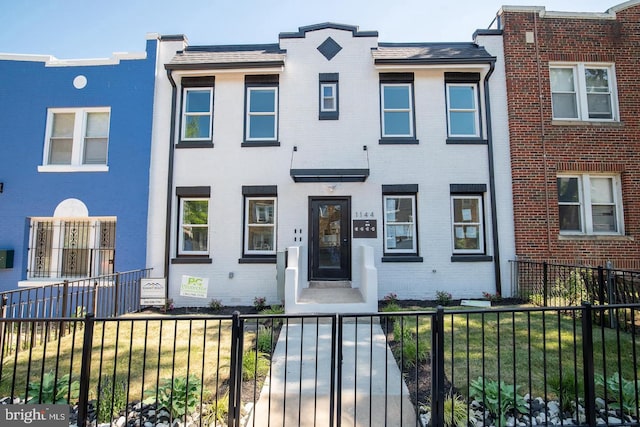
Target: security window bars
(589,204)
(583,92)
(197,114)
(194,226)
(260,226)
(68,248)
(77,137)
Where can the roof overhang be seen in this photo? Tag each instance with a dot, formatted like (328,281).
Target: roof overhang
(329,175)
(228,66)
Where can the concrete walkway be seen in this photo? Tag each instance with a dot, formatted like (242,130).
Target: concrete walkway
(297,390)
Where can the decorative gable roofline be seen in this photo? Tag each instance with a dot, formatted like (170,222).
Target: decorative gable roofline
(302,31)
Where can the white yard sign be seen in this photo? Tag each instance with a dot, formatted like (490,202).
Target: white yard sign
(195,287)
(153,291)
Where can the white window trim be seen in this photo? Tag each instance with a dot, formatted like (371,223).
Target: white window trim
(474,110)
(274,113)
(580,89)
(181,224)
(584,182)
(400,110)
(480,224)
(186,114)
(77,153)
(247,251)
(334,90)
(413,229)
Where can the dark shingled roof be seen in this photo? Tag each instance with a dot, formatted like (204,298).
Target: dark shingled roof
(430,53)
(233,56)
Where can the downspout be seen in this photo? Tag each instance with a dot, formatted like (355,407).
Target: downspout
(167,231)
(492,182)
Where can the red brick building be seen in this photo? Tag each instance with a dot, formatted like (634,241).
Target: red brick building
(574,122)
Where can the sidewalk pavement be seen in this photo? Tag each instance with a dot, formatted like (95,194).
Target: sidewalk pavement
(297,390)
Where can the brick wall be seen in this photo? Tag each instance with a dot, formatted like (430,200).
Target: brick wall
(541,147)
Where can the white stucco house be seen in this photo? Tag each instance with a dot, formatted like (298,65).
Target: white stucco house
(364,168)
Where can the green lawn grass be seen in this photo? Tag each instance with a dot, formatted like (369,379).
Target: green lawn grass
(525,348)
(140,352)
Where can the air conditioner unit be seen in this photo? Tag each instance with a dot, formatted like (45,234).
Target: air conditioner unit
(6,258)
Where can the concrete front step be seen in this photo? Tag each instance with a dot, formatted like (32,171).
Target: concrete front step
(329,284)
(322,295)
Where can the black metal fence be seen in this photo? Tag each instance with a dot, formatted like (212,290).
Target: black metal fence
(506,366)
(554,285)
(108,296)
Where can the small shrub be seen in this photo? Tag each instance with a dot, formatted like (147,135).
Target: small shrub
(217,412)
(260,303)
(573,289)
(391,298)
(215,304)
(492,297)
(264,341)
(565,389)
(412,348)
(456,413)
(391,307)
(180,396)
(274,309)
(498,397)
(618,386)
(112,398)
(254,365)
(443,297)
(53,392)
(168,305)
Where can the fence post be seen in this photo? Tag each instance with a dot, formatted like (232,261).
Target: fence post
(612,296)
(63,309)
(85,370)
(235,372)
(601,285)
(116,296)
(587,357)
(545,282)
(3,316)
(95,297)
(437,368)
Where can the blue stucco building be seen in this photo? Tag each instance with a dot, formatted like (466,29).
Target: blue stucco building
(75,140)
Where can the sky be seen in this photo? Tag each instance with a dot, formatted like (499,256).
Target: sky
(81,29)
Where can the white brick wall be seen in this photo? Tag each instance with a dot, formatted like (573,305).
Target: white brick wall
(432,164)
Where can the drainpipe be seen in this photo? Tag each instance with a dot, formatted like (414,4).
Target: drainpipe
(167,231)
(492,182)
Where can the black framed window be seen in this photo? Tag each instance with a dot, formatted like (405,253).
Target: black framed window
(400,222)
(261,110)
(397,112)
(260,223)
(196,129)
(328,97)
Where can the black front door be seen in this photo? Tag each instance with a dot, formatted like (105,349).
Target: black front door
(330,238)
